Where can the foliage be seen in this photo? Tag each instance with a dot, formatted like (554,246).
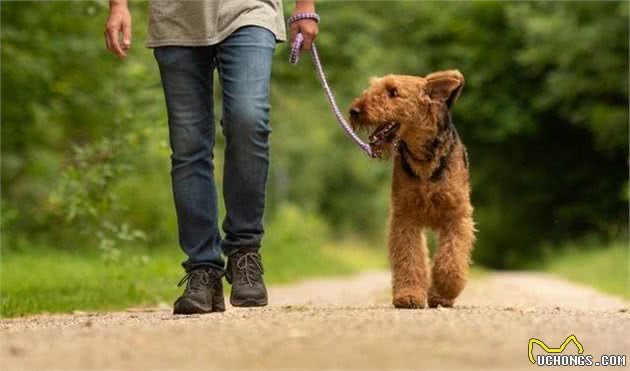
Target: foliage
(544,114)
(85,196)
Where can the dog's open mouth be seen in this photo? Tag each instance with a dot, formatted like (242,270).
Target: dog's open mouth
(384,134)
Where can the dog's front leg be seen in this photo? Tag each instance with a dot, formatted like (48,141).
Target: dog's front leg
(451,261)
(409,260)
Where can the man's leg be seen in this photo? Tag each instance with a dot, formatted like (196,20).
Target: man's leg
(244,62)
(187,80)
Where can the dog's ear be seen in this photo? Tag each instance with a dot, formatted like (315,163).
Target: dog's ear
(373,80)
(445,86)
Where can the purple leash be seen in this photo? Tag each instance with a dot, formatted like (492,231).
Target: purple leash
(294,58)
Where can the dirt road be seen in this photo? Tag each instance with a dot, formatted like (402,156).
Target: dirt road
(336,323)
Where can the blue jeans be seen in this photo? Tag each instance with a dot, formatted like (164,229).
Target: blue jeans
(243,61)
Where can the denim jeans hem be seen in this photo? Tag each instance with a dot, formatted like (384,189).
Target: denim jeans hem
(192,267)
(235,249)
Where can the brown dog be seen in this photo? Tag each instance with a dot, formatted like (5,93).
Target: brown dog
(411,122)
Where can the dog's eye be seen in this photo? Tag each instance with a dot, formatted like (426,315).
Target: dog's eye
(392,92)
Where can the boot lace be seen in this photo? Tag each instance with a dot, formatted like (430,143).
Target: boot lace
(198,280)
(250,268)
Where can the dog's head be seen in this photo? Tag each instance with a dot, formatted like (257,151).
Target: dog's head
(408,108)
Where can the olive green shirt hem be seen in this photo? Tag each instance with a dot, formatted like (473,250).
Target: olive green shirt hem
(156,43)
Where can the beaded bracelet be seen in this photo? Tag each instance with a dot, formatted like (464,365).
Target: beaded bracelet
(301,16)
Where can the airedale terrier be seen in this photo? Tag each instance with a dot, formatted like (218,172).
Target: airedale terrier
(411,122)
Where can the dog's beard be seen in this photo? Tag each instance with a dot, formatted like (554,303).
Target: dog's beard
(385,151)
(384,140)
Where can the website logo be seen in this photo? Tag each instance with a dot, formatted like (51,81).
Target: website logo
(554,356)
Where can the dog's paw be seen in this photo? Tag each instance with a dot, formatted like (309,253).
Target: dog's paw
(408,301)
(435,300)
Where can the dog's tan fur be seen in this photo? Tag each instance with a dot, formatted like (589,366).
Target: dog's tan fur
(430,187)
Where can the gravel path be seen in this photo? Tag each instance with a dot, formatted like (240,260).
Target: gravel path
(333,323)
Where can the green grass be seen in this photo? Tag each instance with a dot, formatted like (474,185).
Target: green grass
(36,279)
(605,268)
(48,280)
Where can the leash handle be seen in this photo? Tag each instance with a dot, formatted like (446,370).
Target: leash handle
(299,38)
(294,57)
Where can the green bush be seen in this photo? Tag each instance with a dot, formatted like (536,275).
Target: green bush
(293,245)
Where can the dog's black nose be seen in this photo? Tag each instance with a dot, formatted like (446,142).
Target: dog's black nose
(354,112)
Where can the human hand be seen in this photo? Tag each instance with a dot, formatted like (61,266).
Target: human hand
(119,21)
(307,27)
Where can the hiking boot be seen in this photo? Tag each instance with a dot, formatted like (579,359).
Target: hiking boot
(203,293)
(245,273)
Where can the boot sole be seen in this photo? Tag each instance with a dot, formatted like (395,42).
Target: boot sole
(248,302)
(186,306)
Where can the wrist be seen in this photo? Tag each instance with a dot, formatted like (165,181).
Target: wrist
(118,5)
(304,6)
